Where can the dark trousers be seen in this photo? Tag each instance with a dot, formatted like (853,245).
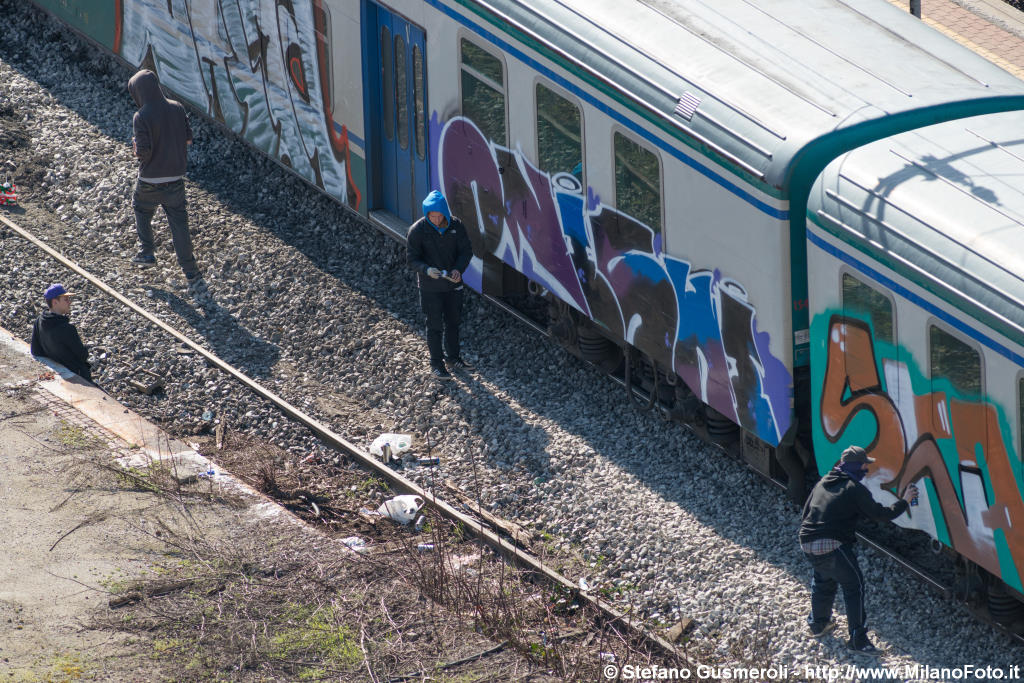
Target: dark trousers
(831,570)
(444,310)
(171,196)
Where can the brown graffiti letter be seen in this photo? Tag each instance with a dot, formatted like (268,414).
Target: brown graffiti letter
(851,365)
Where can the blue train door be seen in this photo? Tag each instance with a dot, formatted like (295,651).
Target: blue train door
(396,81)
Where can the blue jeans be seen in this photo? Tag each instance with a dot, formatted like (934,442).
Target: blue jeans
(831,570)
(171,196)
(444,311)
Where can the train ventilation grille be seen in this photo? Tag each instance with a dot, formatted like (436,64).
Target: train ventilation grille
(687,105)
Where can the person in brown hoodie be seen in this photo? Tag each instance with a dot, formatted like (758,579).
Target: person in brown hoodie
(161,138)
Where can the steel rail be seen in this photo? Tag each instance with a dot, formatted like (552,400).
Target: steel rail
(476,526)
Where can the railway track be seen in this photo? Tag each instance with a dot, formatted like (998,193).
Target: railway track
(487,533)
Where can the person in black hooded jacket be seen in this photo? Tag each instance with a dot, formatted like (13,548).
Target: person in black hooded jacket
(54,337)
(439,251)
(161,138)
(827,534)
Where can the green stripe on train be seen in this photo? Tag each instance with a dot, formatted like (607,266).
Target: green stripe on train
(96,19)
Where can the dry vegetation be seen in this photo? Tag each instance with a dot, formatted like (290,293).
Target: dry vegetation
(273,600)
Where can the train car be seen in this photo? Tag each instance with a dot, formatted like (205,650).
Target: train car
(643,169)
(917,328)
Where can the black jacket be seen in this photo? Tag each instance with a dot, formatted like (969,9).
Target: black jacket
(429,248)
(837,503)
(161,130)
(54,337)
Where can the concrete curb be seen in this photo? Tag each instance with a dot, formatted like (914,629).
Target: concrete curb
(142,444)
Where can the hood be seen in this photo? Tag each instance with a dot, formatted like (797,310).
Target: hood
(51,319)
(836,478)
(144,87)
(435,201)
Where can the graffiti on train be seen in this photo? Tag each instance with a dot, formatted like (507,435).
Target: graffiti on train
(611,268)
(258,66)
(959,448)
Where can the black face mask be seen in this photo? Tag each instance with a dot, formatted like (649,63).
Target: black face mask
(854,470)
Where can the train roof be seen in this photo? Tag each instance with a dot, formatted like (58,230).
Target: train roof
(756,81)
(944,207)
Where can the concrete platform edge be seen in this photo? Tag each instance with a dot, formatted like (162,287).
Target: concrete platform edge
(151,443)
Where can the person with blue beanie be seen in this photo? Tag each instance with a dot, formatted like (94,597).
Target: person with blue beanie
(439,251)
(827,534)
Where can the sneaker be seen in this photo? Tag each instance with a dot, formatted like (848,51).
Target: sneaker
(818,630)
(863,647)
(143,259)
(460,363)
(441,372)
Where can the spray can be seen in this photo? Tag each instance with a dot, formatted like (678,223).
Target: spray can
(425,547)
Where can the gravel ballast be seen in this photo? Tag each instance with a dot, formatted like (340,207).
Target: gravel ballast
(316,304)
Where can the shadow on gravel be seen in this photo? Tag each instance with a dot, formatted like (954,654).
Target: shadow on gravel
(483,408)
(225,336)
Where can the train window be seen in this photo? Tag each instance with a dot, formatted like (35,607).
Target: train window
(866,300)
(401,92)
(559,134)
(420,99)
(389,83)
(637,182)
(954,360)
(483,91)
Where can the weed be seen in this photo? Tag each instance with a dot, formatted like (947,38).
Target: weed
(60,668)
(74,437)
(371,484)
(134,479)
(314,634)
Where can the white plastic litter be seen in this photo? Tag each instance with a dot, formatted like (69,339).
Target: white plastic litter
(355,543)
(398,442)
(402,509)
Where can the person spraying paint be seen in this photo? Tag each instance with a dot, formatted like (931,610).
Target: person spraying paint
(827,535)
